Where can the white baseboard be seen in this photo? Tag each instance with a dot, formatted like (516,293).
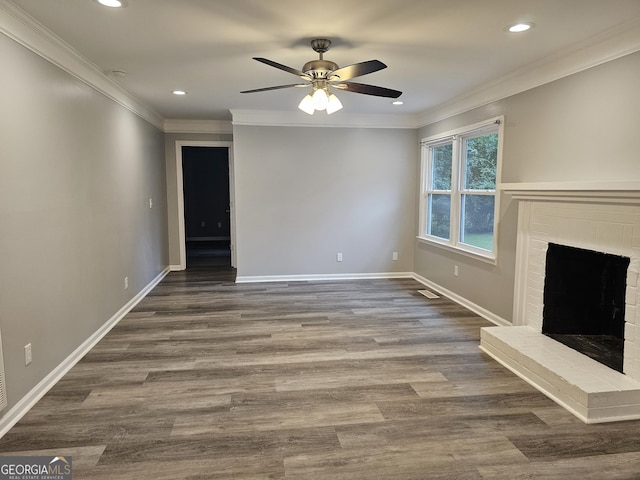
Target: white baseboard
(14,414)
(483,312)
(176,268)
(321,277)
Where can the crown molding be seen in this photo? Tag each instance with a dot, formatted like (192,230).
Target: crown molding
(341,120)
(614,43)
(198,126)
(28,32)
(609,45)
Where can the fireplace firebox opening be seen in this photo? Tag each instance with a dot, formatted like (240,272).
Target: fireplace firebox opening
(584,302)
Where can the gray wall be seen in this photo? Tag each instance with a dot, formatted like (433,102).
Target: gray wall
(76,174)
(580,128)
(304,194)
(170,140)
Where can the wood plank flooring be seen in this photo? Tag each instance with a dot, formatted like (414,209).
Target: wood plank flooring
(206,379)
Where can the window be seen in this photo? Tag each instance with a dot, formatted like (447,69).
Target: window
(458,198)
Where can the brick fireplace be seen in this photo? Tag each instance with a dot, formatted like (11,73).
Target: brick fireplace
(598,217)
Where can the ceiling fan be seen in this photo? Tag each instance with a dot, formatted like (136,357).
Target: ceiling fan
(322,74)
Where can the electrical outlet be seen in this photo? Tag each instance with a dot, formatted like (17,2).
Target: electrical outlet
(338,257)
(126,283)
(455,270)
(28,358)
(151,203)
(394,256)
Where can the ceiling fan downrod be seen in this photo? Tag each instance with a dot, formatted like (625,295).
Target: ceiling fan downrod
(320,69)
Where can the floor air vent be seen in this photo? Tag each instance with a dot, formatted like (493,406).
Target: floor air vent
(428,294)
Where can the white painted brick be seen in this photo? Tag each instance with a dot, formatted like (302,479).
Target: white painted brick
(630,348)
(536,282)
(627,237)
(610,237)
(538,269)
(585,230)
(608,228)
(537,257)
(631,295)
(537,244)
(629,332)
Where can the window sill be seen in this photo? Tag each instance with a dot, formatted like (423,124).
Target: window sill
(490,258)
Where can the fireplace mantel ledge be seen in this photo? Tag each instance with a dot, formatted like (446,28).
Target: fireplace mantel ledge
(592,192)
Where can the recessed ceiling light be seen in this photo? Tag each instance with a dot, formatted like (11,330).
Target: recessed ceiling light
(520,27)
(398,102)
(179,92)
(113,3)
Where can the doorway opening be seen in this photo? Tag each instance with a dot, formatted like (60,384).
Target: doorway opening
(205,177)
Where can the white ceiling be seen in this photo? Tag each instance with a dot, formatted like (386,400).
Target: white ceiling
(436,50)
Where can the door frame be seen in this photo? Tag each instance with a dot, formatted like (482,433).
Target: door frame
(180,190)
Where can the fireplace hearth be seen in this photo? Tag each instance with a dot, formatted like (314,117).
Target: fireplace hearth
(580,344)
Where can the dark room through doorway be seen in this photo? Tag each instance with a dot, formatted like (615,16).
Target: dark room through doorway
(207,220)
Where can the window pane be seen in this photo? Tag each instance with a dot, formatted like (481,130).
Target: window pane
(477,221)
(481,157)
(439,220)
(441,167)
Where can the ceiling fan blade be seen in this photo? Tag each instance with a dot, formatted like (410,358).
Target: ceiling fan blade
(271,63)
(368,89)
(278,87)
(357,70)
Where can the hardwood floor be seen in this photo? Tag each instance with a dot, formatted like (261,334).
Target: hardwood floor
(206,379)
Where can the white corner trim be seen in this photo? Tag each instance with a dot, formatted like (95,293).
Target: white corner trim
(339,120)
(198,126)
(28,32)
(30,399)
(483,312)
(320,277)
(607,46)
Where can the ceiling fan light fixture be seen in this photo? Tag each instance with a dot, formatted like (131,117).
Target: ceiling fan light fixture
(320,99)
(306,105)
(334,104)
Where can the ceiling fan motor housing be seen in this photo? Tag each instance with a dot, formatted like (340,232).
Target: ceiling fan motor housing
(319,68)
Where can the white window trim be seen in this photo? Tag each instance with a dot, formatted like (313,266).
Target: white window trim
(453,244)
